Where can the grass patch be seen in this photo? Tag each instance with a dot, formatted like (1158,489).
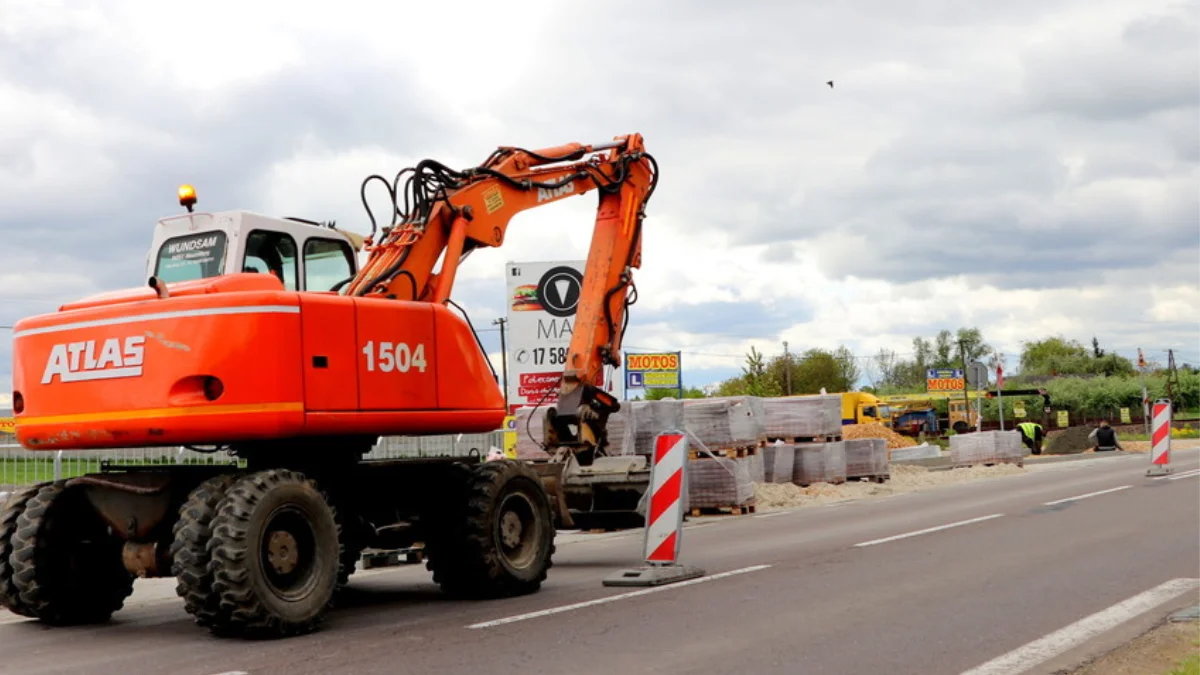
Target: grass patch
(1188,666)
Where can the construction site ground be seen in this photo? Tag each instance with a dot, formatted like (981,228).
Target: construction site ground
(943,579)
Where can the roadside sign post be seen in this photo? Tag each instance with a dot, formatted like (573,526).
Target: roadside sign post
(1160,439)
(664,518)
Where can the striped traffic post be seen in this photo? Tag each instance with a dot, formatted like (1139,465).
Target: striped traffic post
(664,518)
(1160,438)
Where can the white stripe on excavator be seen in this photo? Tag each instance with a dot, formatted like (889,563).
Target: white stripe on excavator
(614,598)
(155,316)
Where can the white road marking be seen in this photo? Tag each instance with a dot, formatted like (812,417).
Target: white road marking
(1027,656)
(614,598)
(928,530)
(1090,494)
(772,514)
(1193,474)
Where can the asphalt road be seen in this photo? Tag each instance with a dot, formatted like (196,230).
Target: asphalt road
(869,586)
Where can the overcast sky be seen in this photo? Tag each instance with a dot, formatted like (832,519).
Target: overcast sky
(1027,167)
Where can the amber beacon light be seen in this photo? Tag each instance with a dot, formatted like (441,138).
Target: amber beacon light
(187,196)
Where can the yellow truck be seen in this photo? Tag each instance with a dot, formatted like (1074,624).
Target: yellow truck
(860,407)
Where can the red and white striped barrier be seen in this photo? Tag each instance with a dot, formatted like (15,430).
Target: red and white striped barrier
(1160,439)
(664,518)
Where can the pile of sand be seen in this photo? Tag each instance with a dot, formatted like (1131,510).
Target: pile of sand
(875,430)
(1069,441)
(905,479)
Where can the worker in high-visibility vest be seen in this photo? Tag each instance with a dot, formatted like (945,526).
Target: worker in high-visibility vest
(1032,435)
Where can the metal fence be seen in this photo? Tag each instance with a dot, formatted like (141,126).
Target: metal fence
(19,466)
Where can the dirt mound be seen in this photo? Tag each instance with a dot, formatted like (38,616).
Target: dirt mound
(894,440)
(1070,441)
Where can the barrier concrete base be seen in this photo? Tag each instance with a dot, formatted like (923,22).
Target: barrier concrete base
(653,575)
(1158,470)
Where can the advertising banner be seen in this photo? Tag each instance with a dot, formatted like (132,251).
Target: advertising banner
(652,371)
(542,297)
(8,425)
(944,379)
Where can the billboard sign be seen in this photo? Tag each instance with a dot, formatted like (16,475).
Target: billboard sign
(652,371)
(542,298)
(944,379)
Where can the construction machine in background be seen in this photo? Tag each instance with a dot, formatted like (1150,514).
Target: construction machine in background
(265,338)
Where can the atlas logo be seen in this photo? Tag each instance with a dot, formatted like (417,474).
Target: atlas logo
(87,361)
(546,194)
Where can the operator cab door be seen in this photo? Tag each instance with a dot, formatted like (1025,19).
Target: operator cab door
(326,263)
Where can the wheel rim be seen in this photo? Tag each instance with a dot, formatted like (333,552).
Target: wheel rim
(517,530)
(288,553)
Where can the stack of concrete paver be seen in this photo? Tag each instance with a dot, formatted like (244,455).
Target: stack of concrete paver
(779,462)
(819,463)
(645,420)
(725,422)
(616,433)
(530,448)
(719,483)
(987,447)
(867,458)
(793,417)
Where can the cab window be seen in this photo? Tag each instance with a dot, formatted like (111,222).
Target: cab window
(869,411)
(193,256)
(327,263)
(272,253)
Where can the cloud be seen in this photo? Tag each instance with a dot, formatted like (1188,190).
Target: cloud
(1025,167)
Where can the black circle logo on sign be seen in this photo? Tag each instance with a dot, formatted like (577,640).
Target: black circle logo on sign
(559,289)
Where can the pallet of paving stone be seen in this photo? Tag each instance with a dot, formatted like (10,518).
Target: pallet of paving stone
(987,448)
(718,483)
(867,459)
(616,434)
(529,423)
(724,422)
(645,420)
(696,512)
(819,463)
(812,418)
(779,461)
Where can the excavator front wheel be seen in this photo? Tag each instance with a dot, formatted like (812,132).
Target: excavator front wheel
(275,556)
(498,541)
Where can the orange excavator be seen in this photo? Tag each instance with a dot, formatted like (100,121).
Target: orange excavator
(263,338)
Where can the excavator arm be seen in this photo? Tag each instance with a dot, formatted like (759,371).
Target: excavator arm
(443,214)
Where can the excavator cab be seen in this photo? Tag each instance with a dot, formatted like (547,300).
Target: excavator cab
(304,255)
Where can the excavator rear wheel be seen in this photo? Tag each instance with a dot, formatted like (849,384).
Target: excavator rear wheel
(67,568)
(498,540)
(189,548)
(10,599)
(275,556)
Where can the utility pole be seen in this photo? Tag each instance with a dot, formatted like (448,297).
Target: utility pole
(503,358)
(787,367)
(1145,395)
(962,355)
(1000,388)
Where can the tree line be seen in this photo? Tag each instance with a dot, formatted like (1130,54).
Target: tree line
(1067,368)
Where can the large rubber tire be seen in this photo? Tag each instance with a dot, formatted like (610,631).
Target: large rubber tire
(260,598)
(67,568)
(498,540)
(13,506)
(189,549)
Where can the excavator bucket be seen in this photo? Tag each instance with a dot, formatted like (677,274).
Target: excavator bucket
(607,494)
